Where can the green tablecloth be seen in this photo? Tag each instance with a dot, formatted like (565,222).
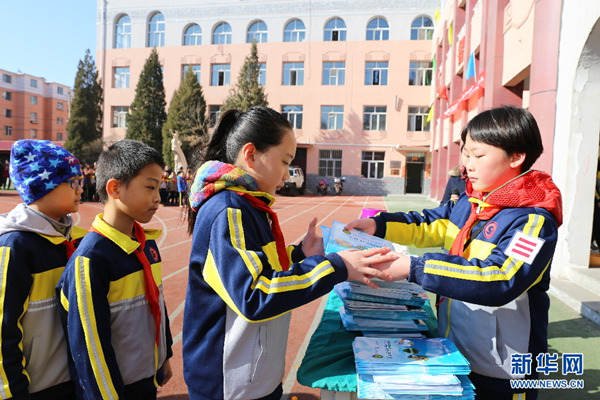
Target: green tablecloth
(329,361)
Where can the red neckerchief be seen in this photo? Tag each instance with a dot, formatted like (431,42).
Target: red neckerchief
(530,189)
(70,248)
(284,260)
(152,292)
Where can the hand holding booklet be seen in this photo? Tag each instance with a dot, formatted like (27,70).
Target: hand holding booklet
(337,238)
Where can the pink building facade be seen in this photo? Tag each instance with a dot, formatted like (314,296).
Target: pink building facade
(353,77)
(31,108)
(490,53)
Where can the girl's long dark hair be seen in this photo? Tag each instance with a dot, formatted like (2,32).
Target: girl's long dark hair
(261,126)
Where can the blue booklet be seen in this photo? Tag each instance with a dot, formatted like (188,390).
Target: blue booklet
(337,238)
(367,388)
(386,356)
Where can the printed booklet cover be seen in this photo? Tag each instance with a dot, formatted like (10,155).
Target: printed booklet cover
(337,239)
(369,389)
(415,356)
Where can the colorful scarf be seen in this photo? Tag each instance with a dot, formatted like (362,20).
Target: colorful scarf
(214,176)
(530,189)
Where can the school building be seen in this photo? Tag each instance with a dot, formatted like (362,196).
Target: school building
(542,55)
(32,108)
(353,77)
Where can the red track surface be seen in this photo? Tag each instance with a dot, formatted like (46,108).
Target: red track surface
(294,215)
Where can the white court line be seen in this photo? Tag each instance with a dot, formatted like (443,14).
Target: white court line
(308,209)
(175,273)
(175,244)
(177,311)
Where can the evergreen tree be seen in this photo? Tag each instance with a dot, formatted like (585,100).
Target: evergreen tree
(85,121)
(247,92)
(187,117)
(147,112)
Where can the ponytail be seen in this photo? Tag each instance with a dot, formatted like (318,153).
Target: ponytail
(261,126)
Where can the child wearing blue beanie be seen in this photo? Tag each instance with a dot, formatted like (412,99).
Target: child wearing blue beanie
(36,239)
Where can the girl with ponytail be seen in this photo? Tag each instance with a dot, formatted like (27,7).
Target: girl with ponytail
(243,280)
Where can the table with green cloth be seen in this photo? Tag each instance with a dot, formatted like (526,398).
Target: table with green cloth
(328,363)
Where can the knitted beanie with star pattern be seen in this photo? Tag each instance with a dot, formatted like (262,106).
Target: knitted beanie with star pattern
(39,166)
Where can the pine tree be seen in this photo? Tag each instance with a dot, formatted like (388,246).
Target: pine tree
(84,128)
(147,112)
(187,117)
(247,92)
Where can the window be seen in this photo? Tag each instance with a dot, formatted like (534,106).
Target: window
(33,133)
(214,114)
(334,73)
(156,31)
(33,100)
(33,117)
(59,90)
(121,78)
(372,164)
(6,95)
(294,115)
(192,36)
(120,117)
(6,78)
(8,130)
(123,33)
(59,121)
(59,105)
(293,74)
(262,74)
(294,31)
(374,118)
(59,136)
(332,117)
(220,74)
(417,118)
(335,30)
(7,113)
(421,29)
(330,162)
(420,73)
(376,73)
(222,34)
(195,69)
(258,32)
(33,83)
(378,29)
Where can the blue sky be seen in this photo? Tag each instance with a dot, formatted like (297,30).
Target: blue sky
(47,38)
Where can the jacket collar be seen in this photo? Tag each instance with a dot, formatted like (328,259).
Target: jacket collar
(119,238)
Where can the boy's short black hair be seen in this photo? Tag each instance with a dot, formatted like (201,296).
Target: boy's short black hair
(513,129)
(123,161)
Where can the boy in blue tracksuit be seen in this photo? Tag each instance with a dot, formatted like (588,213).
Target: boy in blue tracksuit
(111,290)
(501,236)
(36,240)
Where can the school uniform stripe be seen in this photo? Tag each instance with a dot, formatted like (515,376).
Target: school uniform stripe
(291,283)
(418,235)
(238,241)
(4,259)
(83,288)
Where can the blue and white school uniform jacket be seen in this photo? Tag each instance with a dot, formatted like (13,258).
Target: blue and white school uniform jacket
(495,301)
(33,357)
(111,331)
(236,319)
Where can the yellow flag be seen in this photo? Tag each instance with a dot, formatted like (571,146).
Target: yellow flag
(430,115)
(436,16)
(450,35)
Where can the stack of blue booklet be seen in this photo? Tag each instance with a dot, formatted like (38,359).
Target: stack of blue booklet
(394,368)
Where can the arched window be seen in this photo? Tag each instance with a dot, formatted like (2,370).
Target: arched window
(335,30)
(222,34)
(192,36)
(378,29)
(294,31)
(421,29)
(123,33)
(156,31)
(258,32)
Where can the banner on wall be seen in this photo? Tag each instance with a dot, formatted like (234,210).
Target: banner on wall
(475,89)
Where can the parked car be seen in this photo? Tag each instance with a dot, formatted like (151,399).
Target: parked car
(296,184)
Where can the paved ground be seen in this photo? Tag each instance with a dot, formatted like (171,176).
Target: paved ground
(569,332)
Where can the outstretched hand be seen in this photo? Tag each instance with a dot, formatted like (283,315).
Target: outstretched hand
(312,244)
(397,269)
(367,225)
(363,264)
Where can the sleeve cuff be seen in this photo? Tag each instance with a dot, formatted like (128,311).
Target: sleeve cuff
(380,227)
(339,265)
(416,270)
